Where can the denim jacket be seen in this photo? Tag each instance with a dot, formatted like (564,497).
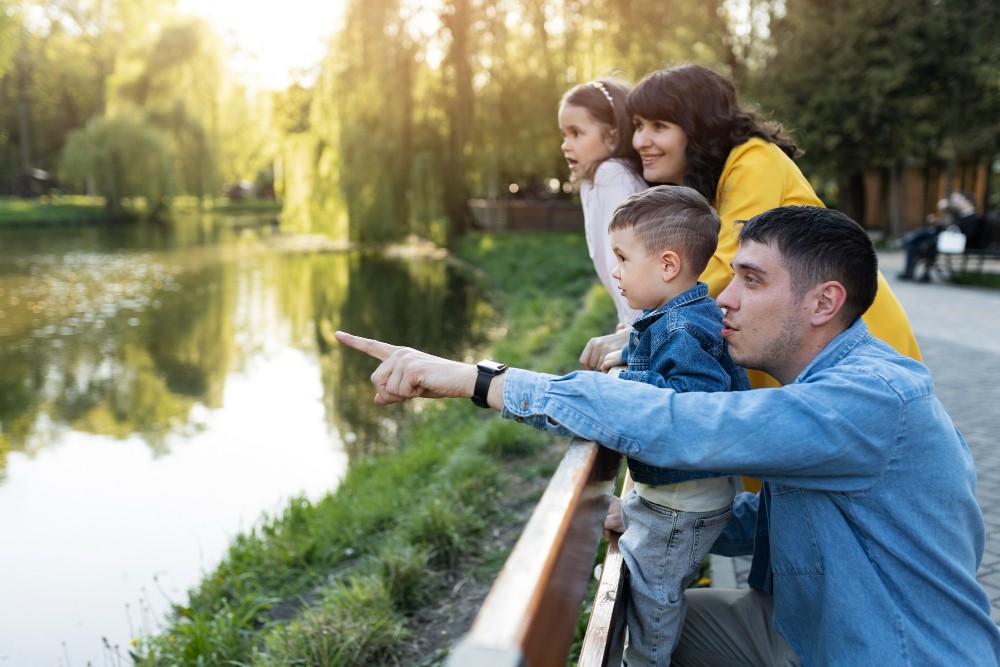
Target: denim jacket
(679,345)
(866,531)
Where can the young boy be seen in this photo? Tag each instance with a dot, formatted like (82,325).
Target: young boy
(663,238)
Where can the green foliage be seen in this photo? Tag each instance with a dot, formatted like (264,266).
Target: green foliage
(550,332)
(9,24)
(207,639)
(507,439)
(403,569)
(871,83)
(50,210)
(356,624)
(178,83)
(123,158)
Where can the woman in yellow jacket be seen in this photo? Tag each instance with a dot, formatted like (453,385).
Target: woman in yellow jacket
(690,130)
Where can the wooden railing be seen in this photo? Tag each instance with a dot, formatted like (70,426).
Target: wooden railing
(529,617)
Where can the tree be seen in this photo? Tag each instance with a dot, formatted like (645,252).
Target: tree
(457,18)
(372,93)
(874,84)
(178,82)
(9,29)
(124,158)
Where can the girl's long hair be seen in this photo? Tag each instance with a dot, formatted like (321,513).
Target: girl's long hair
(611,114)
(703,104)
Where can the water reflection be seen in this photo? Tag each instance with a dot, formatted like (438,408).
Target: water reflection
(160,388)
(127,341)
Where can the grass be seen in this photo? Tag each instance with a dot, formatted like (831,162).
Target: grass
(340,581)
(54,210)
(63,210)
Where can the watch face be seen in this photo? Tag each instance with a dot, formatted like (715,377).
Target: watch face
(491,366)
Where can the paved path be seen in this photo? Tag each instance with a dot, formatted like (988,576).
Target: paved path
(958,329)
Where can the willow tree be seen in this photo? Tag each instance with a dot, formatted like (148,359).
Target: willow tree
(123,158)
(178,80)
(9,24)
(372,97)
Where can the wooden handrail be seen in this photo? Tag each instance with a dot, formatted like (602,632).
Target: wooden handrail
(604,642)
(529,617)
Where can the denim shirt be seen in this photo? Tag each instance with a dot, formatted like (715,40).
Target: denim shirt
(679,345)
(866,531)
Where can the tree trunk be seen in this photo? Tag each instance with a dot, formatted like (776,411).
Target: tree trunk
(22,75)
(456,196)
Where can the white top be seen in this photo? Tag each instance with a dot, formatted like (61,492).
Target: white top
(696,495)
(613,182)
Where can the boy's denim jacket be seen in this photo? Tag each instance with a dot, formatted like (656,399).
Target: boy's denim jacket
(679,345)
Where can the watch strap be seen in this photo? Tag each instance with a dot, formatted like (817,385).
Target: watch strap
(486,371)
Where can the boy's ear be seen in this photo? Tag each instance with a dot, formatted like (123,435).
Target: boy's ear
(671,263)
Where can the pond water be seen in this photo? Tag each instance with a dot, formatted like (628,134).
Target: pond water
(161,389)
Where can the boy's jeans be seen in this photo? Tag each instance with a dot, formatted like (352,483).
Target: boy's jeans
(663,549)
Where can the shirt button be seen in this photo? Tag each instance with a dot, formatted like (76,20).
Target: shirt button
(524,405)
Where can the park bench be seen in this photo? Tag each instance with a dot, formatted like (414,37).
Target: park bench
(529,617)
(983,246)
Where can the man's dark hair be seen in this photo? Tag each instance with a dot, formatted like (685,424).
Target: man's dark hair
(671,217)
(817,245)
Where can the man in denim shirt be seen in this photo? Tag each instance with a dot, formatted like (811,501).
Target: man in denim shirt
(662,239)
(866,535)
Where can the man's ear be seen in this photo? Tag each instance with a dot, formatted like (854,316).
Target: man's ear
(829,300)
(671,263)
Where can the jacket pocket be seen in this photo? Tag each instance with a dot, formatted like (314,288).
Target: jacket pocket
(794,549)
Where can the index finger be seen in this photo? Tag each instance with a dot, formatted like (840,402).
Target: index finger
(369,346)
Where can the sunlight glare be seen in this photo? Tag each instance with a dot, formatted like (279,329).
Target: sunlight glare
(272,44)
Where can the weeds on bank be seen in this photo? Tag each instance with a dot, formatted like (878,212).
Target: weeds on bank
(336,582)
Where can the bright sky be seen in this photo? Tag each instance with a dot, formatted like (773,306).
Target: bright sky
(273,38)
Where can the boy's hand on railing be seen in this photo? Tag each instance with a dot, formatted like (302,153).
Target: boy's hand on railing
(613,521)
(599,347)
(611,360)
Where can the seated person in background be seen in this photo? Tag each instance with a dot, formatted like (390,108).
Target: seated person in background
(866,535)
(663,238)
(921,244)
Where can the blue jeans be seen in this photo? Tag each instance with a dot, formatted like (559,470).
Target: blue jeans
(663,549)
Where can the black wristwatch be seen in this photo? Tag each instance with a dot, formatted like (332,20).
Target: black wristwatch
(487,371)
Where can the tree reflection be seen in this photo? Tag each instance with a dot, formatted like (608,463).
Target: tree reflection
(127,344)
(424,304)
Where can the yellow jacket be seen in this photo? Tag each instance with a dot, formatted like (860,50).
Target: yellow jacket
(758,176)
